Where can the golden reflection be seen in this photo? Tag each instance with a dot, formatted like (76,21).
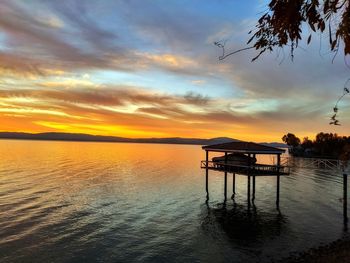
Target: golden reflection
(97,161)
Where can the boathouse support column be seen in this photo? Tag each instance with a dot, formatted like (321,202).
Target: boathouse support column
(225,184)
(253,197)
(278,180)
(248,190)
(345,197)
(206,174)
(233,185)
(248,184)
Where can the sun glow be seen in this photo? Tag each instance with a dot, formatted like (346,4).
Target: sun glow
(112,130)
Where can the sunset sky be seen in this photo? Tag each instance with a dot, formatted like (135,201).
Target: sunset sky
(149,69)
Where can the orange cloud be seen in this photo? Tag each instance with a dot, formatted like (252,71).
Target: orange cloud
(136,113)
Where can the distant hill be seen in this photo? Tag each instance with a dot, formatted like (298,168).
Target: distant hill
(275,144)
(57,136)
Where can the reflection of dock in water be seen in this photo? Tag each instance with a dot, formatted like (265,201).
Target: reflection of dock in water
(240,158)
(242,223)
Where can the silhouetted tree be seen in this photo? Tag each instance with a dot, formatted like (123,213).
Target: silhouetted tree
(307,143)
(291,140)
(283,22)
(281,25)
(325,145)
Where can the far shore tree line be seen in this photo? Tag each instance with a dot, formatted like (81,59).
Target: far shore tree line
(325,145)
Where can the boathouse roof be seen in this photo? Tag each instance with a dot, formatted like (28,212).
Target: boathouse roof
(243,147)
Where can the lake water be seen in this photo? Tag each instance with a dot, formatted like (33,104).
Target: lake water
(119,202)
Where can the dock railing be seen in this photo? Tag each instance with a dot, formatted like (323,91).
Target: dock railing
(329,164)
(257,169)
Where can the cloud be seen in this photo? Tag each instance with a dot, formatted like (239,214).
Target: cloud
(77,14)
(14,65)
(111,96)
(39,46)
(69,40)
(69,37)
(134,110)
(198,82)
(122,106)
(56,59)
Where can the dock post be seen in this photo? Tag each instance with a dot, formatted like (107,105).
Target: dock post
(345,197)
(278,180)
(253,198)
(248,190)
(225,184)
(278,191)
(206,175)
(233,185)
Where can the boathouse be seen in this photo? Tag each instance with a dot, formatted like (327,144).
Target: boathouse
(240,158)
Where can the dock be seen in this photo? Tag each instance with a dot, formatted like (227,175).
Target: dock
(280,168)
(247,151)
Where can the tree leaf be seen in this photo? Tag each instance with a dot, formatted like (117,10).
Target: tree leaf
(309,39)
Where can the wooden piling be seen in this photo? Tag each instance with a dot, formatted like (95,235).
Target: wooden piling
(207,175)
(253,197)
(345,197)
(248,190)
(278,180)
(233,185)
(225,183)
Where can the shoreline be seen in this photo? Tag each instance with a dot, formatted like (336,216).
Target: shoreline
(337,251)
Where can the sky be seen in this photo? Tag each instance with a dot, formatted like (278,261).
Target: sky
(149,68)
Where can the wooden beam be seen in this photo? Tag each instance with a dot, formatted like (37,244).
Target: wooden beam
(278,180)
(248,191)
(253,197)
(233,185)
(207,175)
(225,184)
(345,197)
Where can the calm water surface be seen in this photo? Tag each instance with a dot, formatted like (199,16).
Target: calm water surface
(117,202)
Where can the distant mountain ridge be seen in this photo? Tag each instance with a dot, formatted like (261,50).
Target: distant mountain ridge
(275,144)
(58,136)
